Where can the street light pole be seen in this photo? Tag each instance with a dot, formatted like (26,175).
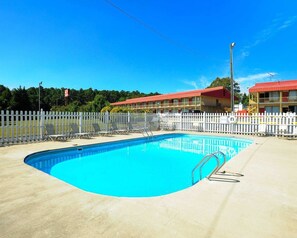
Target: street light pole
(39,96)
(231,78)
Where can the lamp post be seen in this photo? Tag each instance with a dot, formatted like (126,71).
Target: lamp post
(39,96)
(231,78)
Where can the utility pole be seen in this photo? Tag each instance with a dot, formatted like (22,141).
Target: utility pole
(231,78)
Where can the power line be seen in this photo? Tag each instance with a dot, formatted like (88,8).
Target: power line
(150,28)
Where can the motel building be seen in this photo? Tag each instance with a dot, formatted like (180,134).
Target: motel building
(204,100)
(273,97)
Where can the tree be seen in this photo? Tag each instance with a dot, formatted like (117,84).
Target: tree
(106,109)
(5,97)
(86,100)
(245,100)
(98,103)
(120,109)
(225,82)
(33,98)
(73,106)
(20,100)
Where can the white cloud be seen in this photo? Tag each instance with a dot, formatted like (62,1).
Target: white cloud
(200,83)
(250,80)
(277,25)
(254,77)
(203,82)
(244,53)
(288,23)
(191,83)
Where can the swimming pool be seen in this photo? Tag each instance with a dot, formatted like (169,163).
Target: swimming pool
(135,167)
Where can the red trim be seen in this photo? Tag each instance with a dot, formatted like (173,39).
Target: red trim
(274,86)
(217,92)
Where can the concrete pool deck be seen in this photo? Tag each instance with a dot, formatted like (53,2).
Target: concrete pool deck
(262,204)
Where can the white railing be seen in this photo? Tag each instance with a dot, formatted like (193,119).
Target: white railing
(243,124)
(18,127)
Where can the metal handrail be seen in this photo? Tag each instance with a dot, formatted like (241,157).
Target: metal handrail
(147,132)
(204,160)
(150,131)
(224,161)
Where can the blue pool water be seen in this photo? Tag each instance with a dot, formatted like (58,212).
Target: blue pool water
(137,167)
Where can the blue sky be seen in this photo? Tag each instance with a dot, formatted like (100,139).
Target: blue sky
(157,46)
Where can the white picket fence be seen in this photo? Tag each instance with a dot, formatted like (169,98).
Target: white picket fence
(18,127)
(242,124)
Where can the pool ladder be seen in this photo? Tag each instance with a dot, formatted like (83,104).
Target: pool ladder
(147,133)
(204,160)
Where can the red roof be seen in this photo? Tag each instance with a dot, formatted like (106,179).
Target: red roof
(187,94)
(274,86)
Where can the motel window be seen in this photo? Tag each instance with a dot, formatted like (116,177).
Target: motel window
(196,100)
(185,101)
(272,109)
(175,101)
(166,102)
(264,95)
(293,95)
(273,96)
(157,104)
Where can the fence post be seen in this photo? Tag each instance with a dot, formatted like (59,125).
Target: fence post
(181,120)
(41,124)
(204,121)
(12,137)
(80,122)
(145,120)
(106,119)
(129,120)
